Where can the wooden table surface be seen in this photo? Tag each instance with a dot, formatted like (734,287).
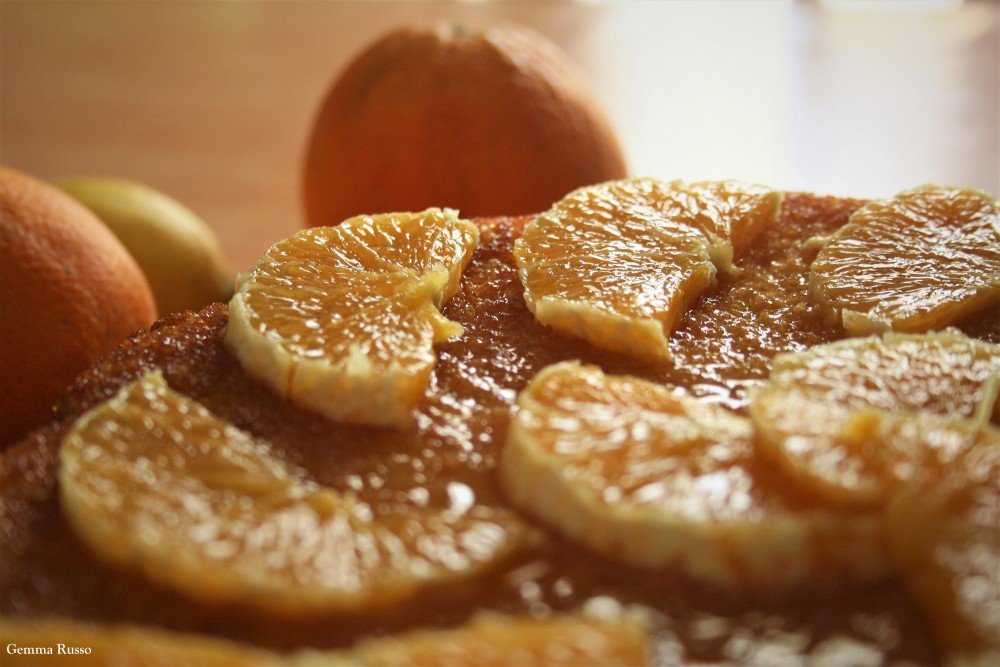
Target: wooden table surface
(212,102)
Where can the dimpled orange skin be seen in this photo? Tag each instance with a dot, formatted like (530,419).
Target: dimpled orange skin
(490,122)
(69,293)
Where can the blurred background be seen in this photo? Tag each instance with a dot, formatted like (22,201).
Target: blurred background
(212,102)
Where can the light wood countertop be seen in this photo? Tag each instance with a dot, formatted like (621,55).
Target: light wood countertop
(211,102)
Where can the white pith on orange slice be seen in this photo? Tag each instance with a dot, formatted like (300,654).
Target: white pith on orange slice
(915,263)
(655,477)
(342,320)
(153,481)
(617,263)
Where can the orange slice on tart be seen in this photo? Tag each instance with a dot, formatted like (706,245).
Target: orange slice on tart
(943,532)
(918,262)
(342,320)
(153,481)
(820,413)
(655,477)
(485,641)
(617,263)
(495,641)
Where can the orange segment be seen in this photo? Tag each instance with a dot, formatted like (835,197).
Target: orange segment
(730,214)
(342,320)
(420,243)
(618,262)
(820,413)
(491,641)
(153,481)
(943,528)
(902,425)
(27,641)
(655,477)
(917,262)
(485,641)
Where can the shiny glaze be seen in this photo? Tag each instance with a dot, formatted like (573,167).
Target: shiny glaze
(721,348)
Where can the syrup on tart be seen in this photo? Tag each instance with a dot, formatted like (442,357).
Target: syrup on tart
(636,428)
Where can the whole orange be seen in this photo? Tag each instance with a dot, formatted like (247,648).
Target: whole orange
(69,293)
(490,122)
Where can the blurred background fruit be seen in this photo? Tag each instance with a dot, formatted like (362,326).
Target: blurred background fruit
(179,253)
(491,122)
(69,293)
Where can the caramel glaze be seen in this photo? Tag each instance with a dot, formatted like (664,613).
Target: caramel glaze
(721,348)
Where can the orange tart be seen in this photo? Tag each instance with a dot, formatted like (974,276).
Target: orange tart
(645,426)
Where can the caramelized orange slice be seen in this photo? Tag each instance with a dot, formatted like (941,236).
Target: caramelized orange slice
(820,413)
(943,528)
(492,641)
(617,263)
(918,262)
(153,481)
(486,641)
(730,214)
(342,320)
(655,477)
